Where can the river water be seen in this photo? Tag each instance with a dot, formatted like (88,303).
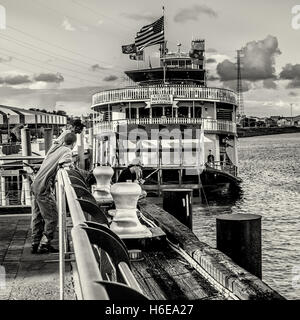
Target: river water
(270,169)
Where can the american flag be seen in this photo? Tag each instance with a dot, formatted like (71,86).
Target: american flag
(150,34)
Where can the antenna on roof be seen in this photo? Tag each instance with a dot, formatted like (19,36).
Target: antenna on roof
(178,47)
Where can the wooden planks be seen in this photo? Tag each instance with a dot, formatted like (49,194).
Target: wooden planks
(166,276)
(175,230)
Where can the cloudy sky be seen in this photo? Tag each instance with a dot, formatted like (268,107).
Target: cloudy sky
(57,53)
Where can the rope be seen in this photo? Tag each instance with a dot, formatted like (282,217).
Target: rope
(207,204)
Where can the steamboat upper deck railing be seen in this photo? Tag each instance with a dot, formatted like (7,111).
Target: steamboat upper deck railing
(207,124)
(178,91)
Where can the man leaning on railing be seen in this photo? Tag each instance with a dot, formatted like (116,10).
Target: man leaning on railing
(44,211)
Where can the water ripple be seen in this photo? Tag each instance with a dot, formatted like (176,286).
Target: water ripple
(269,167)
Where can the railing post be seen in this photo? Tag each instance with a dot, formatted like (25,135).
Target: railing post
(3,191)
(60,194)
(26,151)
(48,136)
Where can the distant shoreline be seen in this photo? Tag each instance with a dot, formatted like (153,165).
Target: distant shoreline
(252,132)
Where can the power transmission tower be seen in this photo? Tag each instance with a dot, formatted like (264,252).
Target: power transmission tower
(239,89)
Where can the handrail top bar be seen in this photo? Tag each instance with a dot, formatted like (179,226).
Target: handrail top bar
(87,266)
(76,212)
(180,92)
(22,158)
(165,86)
(209,124)
(166,119)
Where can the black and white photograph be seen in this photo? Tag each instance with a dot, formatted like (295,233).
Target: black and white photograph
(149,153)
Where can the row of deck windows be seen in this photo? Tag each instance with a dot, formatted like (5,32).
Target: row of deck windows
(169,112)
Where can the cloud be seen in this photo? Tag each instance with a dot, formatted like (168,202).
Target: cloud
(292,73)
(76,100)
(269,84)
(9,59)
(146,16)
(211,50)
(232,85)
(227,70)
(97,67)
(67,25)
(211,60)
(49,77)
(293,94)
(212,78)
(278,103)
(194,12)
(23,79)
(110,78)
(84,28)
(14,80)
(258,61)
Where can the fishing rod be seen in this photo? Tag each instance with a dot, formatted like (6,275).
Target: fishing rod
(142,181)
(151,174)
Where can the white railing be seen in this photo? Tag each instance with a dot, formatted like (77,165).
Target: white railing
(206,124)
(178,92)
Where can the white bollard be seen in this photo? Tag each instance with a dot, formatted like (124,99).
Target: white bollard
(101,191)
(125,221)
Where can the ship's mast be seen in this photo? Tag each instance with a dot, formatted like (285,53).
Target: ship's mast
(163,46)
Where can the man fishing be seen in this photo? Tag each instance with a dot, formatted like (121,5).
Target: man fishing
(133,172)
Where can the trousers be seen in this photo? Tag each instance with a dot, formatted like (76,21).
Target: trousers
(44,218)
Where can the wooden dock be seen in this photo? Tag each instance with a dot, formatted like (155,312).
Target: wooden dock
(28,276)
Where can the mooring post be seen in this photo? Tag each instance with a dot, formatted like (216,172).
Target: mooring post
(26,143)
(26,151)
(239,237)
(90,138)
(91,148)
(80,149)
(178,202)
(48,137)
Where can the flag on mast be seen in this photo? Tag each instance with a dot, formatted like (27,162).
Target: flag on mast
(150,35)
(129,48)
(139,55)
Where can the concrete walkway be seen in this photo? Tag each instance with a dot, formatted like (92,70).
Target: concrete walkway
(28,276)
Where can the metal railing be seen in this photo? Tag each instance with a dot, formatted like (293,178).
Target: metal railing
(227,167)
(207,124)
(177,91)
(95,247)
(15,180)
(16,177)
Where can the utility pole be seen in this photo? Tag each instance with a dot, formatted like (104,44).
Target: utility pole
(239,89)
(8,128)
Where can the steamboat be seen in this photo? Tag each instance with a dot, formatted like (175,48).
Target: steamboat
(183,131)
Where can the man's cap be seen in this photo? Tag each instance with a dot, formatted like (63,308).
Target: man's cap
(70,138)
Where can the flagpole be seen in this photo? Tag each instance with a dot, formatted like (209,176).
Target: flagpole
(165,23)
(164,46)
